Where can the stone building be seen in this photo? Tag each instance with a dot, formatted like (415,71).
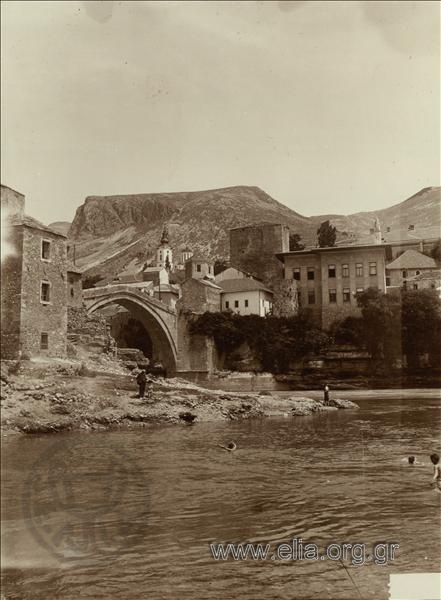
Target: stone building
(12,203)
(198,267)
(427,280)
(329,278)
(33,285)
(409,264)
(246,296)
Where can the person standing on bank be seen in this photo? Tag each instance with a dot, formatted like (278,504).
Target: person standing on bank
(326,394)
(141,380)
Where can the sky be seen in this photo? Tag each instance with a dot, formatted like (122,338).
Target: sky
(330,107)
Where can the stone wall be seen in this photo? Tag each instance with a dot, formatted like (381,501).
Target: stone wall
(74,289)
(39,317)
(285,303)
(11,293)
(78,321)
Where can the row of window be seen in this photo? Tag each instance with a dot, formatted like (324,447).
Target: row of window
(236,304)
(332,271)
(332,295)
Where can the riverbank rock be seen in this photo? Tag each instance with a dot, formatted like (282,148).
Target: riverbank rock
(339,403)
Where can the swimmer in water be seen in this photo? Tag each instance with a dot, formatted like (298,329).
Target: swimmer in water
(231,447)
(436,481)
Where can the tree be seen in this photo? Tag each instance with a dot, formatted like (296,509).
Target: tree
(348,331)
(381,325)
(274,341)
(326,235)
(421,326)
(294,242)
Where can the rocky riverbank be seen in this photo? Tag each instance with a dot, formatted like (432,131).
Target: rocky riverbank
(52,396)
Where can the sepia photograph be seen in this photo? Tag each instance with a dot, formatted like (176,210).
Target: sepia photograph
(220,300)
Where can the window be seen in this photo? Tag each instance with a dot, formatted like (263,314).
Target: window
(331,270)
(44,341)
(311,273)
(227,304)
(359,290)
(415,286)
(209,268)
(311,297)
(346,295)
(246,303)
(372,268)
(359,269)
(198,268)
(72,293)
(45,250)
(296,274)
(345,270)
(404,274)
(332,296)
(387,281)
(45,293)
(417,272)
(432,285)
(236,304)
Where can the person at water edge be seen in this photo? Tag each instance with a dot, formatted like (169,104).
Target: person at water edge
(436,481)
(326,394)
(411,460)
(141,380)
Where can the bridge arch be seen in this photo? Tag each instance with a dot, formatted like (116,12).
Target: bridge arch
(158,319)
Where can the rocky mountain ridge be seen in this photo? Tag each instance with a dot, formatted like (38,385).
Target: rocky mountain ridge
(115,234)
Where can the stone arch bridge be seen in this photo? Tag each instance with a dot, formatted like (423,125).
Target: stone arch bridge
(158,319)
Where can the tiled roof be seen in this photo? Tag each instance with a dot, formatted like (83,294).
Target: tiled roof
(31,222)
(247,284)
(411,259)
(199,258)
(434,275)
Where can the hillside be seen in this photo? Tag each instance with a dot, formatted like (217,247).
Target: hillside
(422,210)
(119,233)
(115,234)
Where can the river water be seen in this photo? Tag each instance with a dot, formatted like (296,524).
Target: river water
(161,495)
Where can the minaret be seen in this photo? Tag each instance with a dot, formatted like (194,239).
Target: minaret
(164,254)
(377,231)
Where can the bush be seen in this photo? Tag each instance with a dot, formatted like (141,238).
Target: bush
(275,341)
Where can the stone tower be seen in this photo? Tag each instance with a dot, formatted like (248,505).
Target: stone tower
(164,254)
(253,250)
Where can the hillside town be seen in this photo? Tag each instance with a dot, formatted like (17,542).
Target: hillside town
(150,311)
